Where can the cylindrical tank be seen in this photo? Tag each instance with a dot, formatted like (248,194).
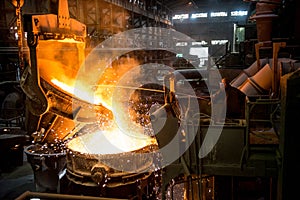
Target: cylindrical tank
(264,24)
(113,175)
(265,14)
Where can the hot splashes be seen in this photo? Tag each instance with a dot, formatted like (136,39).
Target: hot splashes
(111,141)
(97,88)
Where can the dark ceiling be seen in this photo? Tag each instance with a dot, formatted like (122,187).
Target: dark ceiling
(177,6)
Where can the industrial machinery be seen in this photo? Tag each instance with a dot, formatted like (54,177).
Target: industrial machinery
(248,154)
(68,126)
(217,150)
(198,147)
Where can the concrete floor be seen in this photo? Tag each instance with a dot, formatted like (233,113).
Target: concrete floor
(16,180)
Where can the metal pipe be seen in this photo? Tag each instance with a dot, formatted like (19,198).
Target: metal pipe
(18,4)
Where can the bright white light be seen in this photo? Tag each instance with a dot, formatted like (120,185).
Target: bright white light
(220,42)
(181,44)
(199,43)
(198,15)
(218,14)
(181,16)
(201,52)
(239,13)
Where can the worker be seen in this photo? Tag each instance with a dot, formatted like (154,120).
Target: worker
(235,100)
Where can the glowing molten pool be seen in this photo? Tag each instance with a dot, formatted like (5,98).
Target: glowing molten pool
(109,142)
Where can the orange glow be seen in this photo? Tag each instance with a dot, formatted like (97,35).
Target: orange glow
(109,79)
(60,63)
(112,141)
(109,141)
(82,92)
(66,40)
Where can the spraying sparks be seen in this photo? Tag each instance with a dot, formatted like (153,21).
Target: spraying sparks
(60,68)
(116,140)
(111,141)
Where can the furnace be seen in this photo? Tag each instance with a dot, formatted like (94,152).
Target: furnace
(75,138)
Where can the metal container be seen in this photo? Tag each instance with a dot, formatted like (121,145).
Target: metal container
(115,175)
(263,78)
(249,88)
(246,73)
(258,84)
(47,165)
(265,15)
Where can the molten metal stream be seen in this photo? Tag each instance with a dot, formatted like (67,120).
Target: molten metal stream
(61,71)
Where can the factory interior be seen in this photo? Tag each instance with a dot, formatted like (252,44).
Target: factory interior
(149,99)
